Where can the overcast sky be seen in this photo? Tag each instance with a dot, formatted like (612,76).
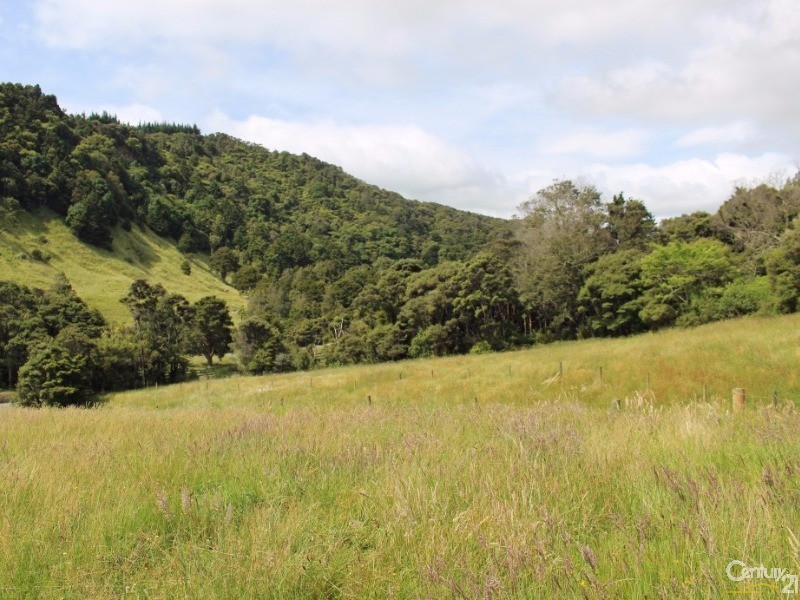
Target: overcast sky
(472,103)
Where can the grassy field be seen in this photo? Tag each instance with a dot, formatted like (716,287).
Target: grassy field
(470,477)
(102,277)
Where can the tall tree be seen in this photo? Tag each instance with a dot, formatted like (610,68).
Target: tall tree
(562,232)
(224,261)
(212,328)
(630,223)
(161,329)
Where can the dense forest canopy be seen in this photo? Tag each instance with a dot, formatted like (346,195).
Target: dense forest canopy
(337,271)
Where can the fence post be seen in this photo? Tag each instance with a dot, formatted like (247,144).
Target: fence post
(738,399)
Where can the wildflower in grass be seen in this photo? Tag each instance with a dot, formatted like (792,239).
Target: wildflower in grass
(162,502)
(186,500)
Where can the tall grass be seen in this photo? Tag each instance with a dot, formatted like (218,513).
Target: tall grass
(294,486)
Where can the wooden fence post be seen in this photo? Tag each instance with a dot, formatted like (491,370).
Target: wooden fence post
(738,399)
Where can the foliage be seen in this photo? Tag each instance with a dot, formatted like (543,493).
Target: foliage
(258,343)
(52,376)
(563,231)
(679,276)
(630,224)
(611,296)
(783,269)
(337,271)
(212,328)
(161,331)
(8,212)
(224,261)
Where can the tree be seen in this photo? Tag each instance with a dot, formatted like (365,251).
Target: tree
(783,270)
(92,212)
(562,232)
(611,295)
(686,228)
(54,376)
(246,278)
(224,261)
(680,276)
(258,343)
(431,341)
(630,223)
(61,307)
(487,304)
(21,327)
(161,329)
(754,219)
(212,328)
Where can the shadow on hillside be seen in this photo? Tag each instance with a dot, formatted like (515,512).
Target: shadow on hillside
(137,248)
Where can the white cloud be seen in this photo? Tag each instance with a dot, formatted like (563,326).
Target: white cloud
(688,185)
(403,158)
(600,144)
(733,133)
(747,66)
(485,36)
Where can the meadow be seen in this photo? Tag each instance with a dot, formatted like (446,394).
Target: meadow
(102,277)
(594,469)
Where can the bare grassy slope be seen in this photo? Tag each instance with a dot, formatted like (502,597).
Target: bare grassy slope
(99,276)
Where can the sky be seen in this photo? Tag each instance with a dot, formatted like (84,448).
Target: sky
(472,103)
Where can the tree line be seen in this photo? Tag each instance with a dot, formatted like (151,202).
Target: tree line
(588,268)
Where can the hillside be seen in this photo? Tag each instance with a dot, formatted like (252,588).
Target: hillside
(123,201)
(103,276)
(480,477)
(336,271)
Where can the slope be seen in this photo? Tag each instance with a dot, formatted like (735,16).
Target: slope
(673,366)
(102,277)
(297,486)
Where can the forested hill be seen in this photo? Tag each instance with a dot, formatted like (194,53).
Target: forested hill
(271,211)
(333,270)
